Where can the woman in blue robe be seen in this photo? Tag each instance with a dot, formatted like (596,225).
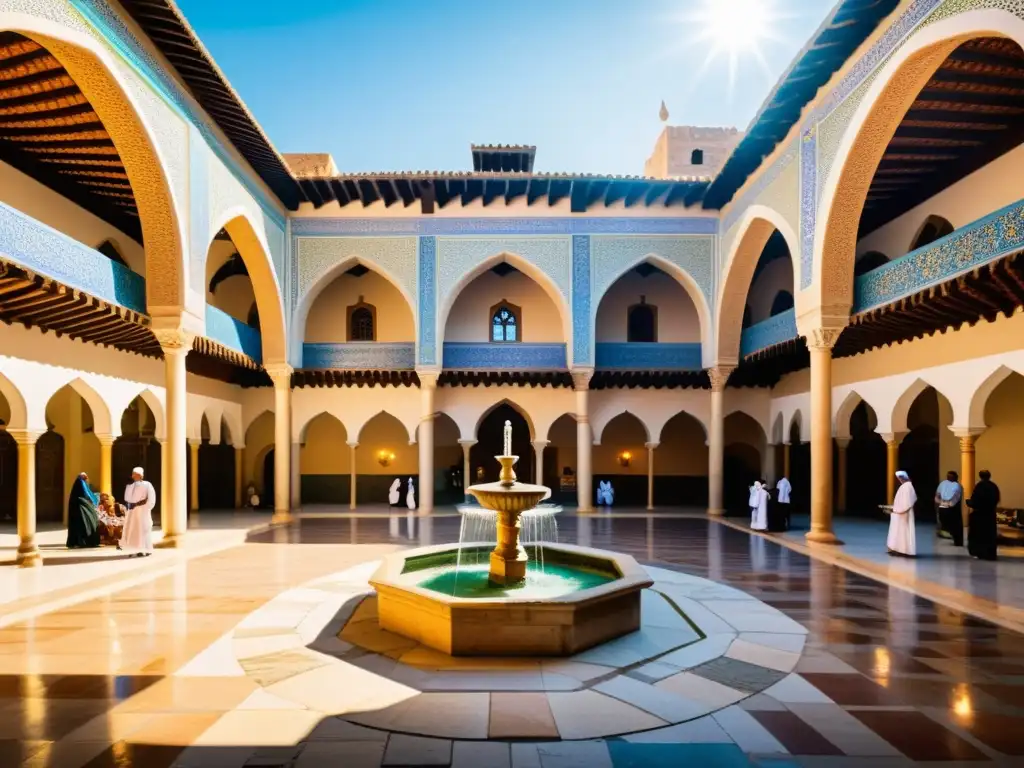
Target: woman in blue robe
(83,519)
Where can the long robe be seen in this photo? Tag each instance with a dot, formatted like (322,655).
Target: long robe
(982,531)
(759,512)
(784,489)
(138,523)
(395,492)
(902,536)
(410,496)
(83,519)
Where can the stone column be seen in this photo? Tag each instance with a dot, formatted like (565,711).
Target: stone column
(892,456)
(584,443)
(842,443)
(240,478)
(968,474)
(28,554)
(785,461)
(820,343)
(106,463)
(716,439)
(425,438)
(650,474)
(282,378)
(352,474)
(467,478)
(769,464)
(538,458)
(193,479)
(296,473)
(175,344)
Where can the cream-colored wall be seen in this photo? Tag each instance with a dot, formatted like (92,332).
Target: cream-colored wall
(385,433)
(71,417)
(677,316)
(470,316)
(234,295)
(999,448)
(683,449)
(259,437)
(327,321)
(623,433)
(988,189)
(43,204)
(325,451)
(776,276)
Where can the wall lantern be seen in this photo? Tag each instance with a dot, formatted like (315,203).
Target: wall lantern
(385,458)
(625,457)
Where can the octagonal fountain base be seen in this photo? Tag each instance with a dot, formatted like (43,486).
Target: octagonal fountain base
(418,597)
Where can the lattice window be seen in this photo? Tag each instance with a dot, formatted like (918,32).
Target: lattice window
(505,323)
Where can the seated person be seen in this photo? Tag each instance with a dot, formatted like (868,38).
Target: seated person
(111,519)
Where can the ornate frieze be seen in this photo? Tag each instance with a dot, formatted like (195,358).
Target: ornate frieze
(494,226)
(768,333)
(427,271)
(581,300)
(611,256)
(636,356)
(522,356)
(382,356)
(315,257)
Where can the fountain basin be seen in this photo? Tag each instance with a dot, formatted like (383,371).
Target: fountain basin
(534,620)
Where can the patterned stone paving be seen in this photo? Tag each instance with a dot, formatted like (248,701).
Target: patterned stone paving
(150,675)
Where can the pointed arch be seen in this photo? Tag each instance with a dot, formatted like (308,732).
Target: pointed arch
(598,426)
(247,423)
(690,414)
(756,227)
(100,78)
(681,276)
(492,407)
(300,428)
(863,143)
(841,426)
(933,228)
(529,269)
(901,408)
(796,420)
(357,429)
(156,407)
(976,410)
(778,438)
(97,405)
(19,411)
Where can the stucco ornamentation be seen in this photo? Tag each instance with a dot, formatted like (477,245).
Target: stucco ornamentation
(427,272)
(611,256)
(719,377)
(389,356)
(634,356)
(316,256)
(823,338)
(581,299)
(474,355)
(768,333)
(754,193)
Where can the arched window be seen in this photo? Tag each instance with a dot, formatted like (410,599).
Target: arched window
(642,322)
(933,228)
(505,323)
(697,157)
(783,300)
(108,249)
(362,322)
(869,261)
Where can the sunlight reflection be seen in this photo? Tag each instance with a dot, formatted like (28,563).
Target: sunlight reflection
(882,666)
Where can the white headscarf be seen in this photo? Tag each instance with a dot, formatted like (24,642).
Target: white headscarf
(902,475)
(139,471)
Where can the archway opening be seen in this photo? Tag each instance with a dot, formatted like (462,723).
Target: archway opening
(137,446)
(68,448)
(448,481)
(359,305)
(8,465)
(259,450)
(681,463)
(647,305)
(865,464)
(384,436)
(325,462)
(621,459)
(490,435)
(799,467)
(560,459)
(745,446)
(229,287)
(929,449)
(771,287)
(998,447)
(216,466)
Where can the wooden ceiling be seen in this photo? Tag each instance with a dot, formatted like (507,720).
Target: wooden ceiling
(50,131)
(970,113)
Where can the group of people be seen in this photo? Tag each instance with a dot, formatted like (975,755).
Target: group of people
(983,535)
(768,513)
(395,494)
(97,519)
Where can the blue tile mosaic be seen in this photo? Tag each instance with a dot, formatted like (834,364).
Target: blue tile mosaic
(233,334)
(768,333)
(969,247)
(626,754)
(463,355)
(428,300)
(643,356)
(53,254)
(383,356)
(581,354)
(592,225)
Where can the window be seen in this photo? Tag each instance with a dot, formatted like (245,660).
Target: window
(642,322)
(697,157)
(362,322)
(505,325)
(783,300)
(933,228)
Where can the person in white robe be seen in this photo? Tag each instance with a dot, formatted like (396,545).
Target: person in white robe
(752,500)
(395,492)
(902,538)
(782,491)
(139,500)
(759,512)
(410,496)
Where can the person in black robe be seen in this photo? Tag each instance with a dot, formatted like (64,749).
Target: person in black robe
(83,519)
(982,534)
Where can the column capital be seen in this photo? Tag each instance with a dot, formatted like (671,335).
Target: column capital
(719,377)
(541,443)
(280,374)
(843,442)
(823,338)
(174,341)
(428,379)
(892,437)
(651,445)
(581,380)
(26,436)
(967,432)
(106,440)
(195,441)
(353,444)
(467,443)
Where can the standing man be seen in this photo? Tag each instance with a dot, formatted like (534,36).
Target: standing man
(947,501)
(902,535)
(982,534)
(139,500)
(783,489)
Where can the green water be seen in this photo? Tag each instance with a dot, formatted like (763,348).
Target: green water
(555,580)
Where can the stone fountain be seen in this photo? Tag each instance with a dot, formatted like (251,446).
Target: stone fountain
(570,599)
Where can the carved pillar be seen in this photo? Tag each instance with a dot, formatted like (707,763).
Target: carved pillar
(584,443)
(175,343)
(716,439)
(538,458)
(193,475)
(28,555)
(282,378)
(352,474)
(820,343)
(239,478)
(650,474)
(425,438)
(467,478)
(106,463)
(892,457)
(968,474)
(842,443)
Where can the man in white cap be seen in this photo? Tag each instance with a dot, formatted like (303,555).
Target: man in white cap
(902,539)
(139,500)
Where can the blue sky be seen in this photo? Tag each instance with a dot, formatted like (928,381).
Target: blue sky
(396,85)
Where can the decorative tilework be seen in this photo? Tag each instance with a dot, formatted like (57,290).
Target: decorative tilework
(198,212)
(612,256)
(581,300)
(396,356)
(458,256)
(428,300)
(768,333)
(808,205)
(420,225)
(53,254)
(753,193)
(638,356)
(233,334)
(315,257)
(473,355)
(967,248)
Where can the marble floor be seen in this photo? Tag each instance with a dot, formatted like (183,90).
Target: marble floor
(195,664)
